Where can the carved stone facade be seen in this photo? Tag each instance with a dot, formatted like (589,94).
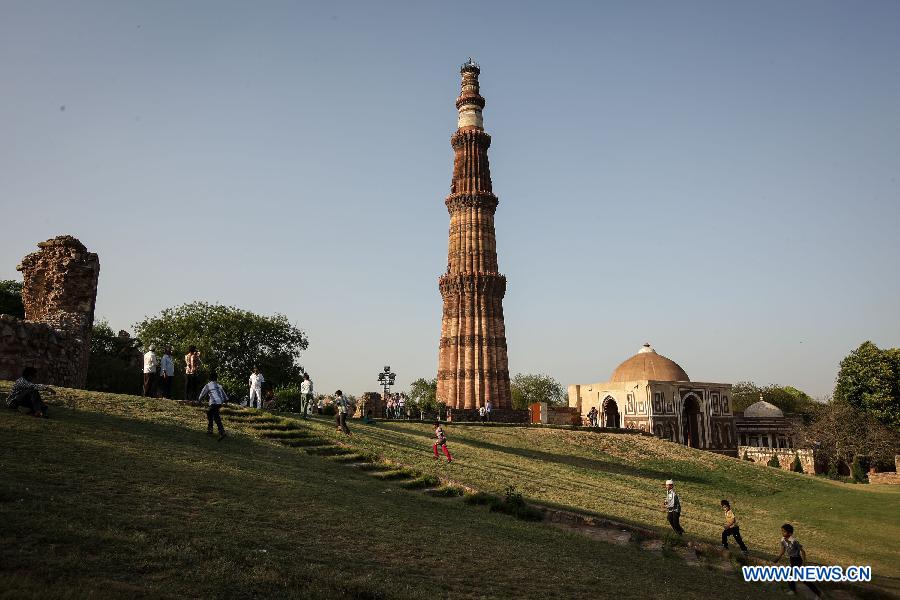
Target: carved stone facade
(652,394)
(59,293)
(472,364)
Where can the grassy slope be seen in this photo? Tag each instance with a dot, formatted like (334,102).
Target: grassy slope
(125,497)
(621,477)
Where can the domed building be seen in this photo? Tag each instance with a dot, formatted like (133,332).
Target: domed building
(651,393)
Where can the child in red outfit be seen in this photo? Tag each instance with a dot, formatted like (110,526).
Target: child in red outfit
(440,440)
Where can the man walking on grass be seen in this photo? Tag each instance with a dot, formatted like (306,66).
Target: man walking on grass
(340,415)
(673,507)
(217,397)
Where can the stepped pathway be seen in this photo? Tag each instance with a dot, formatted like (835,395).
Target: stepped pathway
(296,433)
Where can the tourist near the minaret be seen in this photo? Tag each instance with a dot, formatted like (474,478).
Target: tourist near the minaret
(440,441)
(217,397)
(673,507)
(191,373)
(306,395)
(151,365)
(340,416)
(167,372)
(256,388)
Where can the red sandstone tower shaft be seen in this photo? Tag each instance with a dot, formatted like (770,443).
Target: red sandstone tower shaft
(472,366)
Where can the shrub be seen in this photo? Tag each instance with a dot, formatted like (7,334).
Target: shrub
(858,471)
(747,457)
(833,470)
(513,504)
(797,466)
(773,462)
(287,399)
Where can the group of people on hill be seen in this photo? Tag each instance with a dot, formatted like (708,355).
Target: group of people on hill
(159,372)
(788,543)
(395,406)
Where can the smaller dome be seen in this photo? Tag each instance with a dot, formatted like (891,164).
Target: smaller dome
(763,409)
(648,365)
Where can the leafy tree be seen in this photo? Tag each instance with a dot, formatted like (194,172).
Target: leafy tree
(840,432)
(869,379)
(423,394)
(231,340)
(527,389)
(115,364)
(11,299)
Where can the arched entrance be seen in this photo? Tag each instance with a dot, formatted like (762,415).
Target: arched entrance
(690,422)
(611,413)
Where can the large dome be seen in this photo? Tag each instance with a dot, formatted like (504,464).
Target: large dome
(648,365)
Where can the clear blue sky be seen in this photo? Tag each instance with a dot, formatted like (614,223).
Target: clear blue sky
(719,179)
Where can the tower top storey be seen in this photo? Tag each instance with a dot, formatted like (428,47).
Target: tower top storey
(470,103)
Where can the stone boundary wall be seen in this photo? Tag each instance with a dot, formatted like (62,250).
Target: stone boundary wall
(563,415)
(888,478)
(38,345)
(785,457)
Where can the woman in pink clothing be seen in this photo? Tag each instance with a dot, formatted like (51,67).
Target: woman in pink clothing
(440,440)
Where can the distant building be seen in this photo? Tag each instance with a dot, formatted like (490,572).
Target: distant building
(652,393)
(764,425)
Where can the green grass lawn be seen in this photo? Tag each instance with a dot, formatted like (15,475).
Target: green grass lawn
(621,477)
(119,496)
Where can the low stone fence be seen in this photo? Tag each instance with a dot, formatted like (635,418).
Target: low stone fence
(888,478)
(785,457)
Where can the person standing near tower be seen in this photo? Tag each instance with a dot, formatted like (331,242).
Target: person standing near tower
(673,507)
(167,372)
(341,407)
(256,388)
(306,395)
(191,373)
(151,365)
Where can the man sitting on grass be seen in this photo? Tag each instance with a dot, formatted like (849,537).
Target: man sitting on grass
(26,393)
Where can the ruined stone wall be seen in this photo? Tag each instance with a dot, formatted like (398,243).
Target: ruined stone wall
(59,293)
(785,457)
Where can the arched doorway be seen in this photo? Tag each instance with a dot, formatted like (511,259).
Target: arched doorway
(690,422)
(610,413)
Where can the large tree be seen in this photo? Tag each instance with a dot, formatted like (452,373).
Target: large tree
(11,299)
(527,389)
(231,340)
(422,394)
(841,432)
(869,379)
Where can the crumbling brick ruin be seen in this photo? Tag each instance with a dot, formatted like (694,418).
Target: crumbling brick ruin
(59,293)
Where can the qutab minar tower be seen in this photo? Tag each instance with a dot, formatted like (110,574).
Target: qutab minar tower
(472,367)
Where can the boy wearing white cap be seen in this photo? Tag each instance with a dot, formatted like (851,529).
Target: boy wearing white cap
(673,507)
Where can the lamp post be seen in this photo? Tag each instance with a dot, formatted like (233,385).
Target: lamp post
(386,379)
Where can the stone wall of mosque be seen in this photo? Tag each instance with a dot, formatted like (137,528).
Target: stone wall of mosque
(59,293)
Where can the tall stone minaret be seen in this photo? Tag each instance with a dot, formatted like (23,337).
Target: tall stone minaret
(472,366)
